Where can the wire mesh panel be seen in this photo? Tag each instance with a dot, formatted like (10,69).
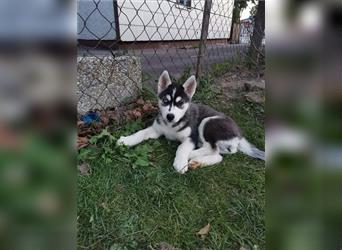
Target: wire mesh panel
(125,45)
(172,30)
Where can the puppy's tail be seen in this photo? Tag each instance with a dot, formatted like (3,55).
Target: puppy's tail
(249,149)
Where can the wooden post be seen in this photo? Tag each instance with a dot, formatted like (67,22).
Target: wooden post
(204,34)
(235,34)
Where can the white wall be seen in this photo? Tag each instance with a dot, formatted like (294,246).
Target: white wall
(98,26)
(164,20)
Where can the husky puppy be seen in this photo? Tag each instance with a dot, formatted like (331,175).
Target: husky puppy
(204,134)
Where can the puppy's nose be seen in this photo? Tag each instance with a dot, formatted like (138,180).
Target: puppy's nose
(170,117)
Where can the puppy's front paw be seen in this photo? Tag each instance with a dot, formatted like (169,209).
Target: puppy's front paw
(123,140)
(194,164)
(180,166)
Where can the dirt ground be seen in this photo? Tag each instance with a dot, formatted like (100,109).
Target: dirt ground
(242,85)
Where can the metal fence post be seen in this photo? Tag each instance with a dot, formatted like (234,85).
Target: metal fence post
(204,34)
(116,20)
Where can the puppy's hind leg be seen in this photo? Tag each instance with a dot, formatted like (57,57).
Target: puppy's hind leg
(206,160)
(206,149)
(138,137)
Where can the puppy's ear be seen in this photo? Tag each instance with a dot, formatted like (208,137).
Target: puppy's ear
(190,86)
(164,81)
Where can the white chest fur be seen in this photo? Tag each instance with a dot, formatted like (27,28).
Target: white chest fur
(172,133)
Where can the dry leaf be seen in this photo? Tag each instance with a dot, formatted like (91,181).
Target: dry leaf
(80,123)
(137,113)
(105,119)
(105,206)
(204,231)
(146,107)
(84,168)
(111,114)
(119,188)
(140,101)
(166,246)
(82,142)
(194,165)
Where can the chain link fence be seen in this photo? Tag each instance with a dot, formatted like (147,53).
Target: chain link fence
(124,45)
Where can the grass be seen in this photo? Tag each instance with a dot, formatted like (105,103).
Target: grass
(133,199)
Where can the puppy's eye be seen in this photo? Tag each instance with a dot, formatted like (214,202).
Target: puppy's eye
(180,103)
(165,100)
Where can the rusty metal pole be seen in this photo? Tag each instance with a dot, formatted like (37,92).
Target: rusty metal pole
(204,34)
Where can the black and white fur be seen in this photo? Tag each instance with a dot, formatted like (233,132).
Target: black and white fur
(204,133)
